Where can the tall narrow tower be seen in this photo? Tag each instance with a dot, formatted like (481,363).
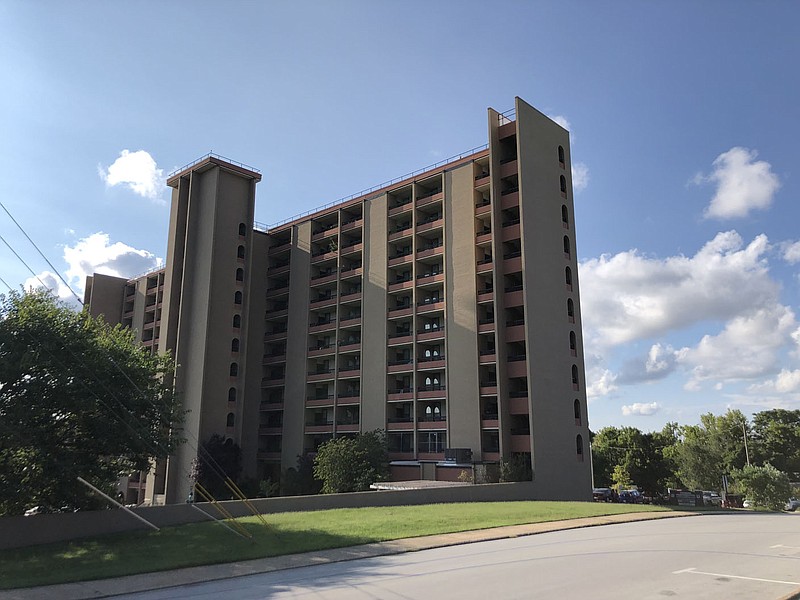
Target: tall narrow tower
(205,312)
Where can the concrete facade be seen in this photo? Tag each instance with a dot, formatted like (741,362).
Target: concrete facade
(443,308)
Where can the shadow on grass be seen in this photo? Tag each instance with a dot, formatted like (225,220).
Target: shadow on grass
(171,548)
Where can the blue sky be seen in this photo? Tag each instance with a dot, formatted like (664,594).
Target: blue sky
(684,119)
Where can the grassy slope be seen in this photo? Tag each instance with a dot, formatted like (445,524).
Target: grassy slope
(288,533)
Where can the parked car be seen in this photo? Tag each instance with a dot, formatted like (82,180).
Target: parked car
(792,504)
(602,495)
(712,499)
(630,497)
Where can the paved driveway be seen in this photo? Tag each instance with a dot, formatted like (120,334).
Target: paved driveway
(725,556)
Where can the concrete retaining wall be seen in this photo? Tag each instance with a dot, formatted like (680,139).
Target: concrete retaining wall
(17,532)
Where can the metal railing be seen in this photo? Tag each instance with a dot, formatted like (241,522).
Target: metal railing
(364,192)
(212,155)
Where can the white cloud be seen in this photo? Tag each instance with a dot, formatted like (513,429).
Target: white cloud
(743,184)
(599,382)
(639,409)
(629,296)
(791,252)
(138,171)
(563,121)
(580,176)
(786,382)
(660,362)
(747,348)
(96,254)
(50,281)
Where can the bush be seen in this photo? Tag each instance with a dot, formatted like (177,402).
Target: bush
(765,486)
(352,464)
(516,468)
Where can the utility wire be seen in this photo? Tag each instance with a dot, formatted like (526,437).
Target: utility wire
(24,263)
(69,287)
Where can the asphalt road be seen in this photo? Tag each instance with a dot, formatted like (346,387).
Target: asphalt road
(725,556)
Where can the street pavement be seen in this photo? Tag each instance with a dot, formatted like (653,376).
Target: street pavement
(742,555)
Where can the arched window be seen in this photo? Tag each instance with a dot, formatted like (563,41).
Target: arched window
(237,321)
(243,227)
(568,276)
(235,344)
(579,446)
(565,215)
(239,274)
(428,414)
(234,369)
(229,422)
(437,413)
(572,341)
(575,377)
(428,381)
(232,394)
(561,154)
(237,298)
(240,252)
(566,247)
(563,184)
(571,310)
(577,407)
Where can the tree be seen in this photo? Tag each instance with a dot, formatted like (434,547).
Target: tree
(776,440)
(77,398)
(766,486)
(300,480)
(621,478)
(219,458)
(516,468)
(644,457)
(711,449)
(352,463)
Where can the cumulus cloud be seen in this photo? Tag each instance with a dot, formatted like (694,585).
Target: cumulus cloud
(640,410)
(599,382)
(629,296)
(747,348)
(659,363)
(743,184)
(96,254)
(580,176)
(136,170)
(791,252)
(786,382)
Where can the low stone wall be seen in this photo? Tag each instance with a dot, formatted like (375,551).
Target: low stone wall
(18,532)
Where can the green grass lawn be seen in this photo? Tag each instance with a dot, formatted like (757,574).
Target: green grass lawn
(287,533)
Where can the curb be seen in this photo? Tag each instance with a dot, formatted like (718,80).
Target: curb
(144,582)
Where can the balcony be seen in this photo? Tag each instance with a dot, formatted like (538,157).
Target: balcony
(278,290)
(352,224)
(268,382)
(431,362)
(403,311)
(271,359)
(427,306)
(279,248)
(429,278)
(277,333)
(350,271)
(401,207)
(430,224)
(400,338)
(400,394)
(429,198)
(348,427)
(401,259)
(405,284)
(269,406)
(509,200)
(320,400)
(400,232)
(321,350)
(483,237)
(400,425)
(325,232)
(430,334)
(511,232)
(348,398)
(352,248)
(317,428)
(323,256)
(483,209)
(518,405)
(440,423)
(350,295)
(431,391)
(487,357)
(323,301)
(485,265)
(348,346)
(520,443)
(349,372)
(320,375)
(399,366)
(319,326)
(488,388)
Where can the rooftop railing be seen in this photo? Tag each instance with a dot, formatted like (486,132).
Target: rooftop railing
(212,155)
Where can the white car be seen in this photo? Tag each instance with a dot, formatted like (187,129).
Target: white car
(792,504)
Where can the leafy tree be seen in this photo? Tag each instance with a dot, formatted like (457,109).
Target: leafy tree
(77,398)
(352,463)
(766,486)
(709,450)
(219,458)
(516,468)
(300,480)
(621,478)
(646,458)
(776,440)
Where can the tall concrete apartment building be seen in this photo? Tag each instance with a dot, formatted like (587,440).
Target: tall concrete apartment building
(442,307)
